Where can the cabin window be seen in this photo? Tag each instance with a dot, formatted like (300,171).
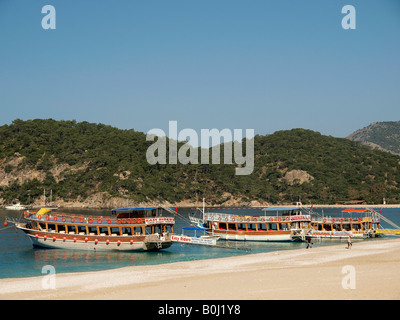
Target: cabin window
(61,228)
(251,227)
(356,226)
(314,225)
(71,229)
(42,226)
(231,226)
(51,227)
(284,226)
(262,227)
(346,227)
(337,227)
(148,230)
(82,230)
(137,230)
(327,227)
(222,226)
(272,226)
(241,227)
(114,231)
(304,224)
(126,231)
(103,231)
(92,231)
(168,228)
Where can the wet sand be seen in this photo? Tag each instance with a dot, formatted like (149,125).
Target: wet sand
(367,271)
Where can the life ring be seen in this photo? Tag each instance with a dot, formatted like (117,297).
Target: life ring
(26,214)
(271,219)
(134,220)
(219,218)
(128,221)
(351,220)
(100,220)
(359,219)
(341,220)
(233,219)
(226,219)
(324,220)
(90,220)
(55,217)
(279,219)
(72,219)
(39,217)
(108,220)
(81,219)
(248,219)
(64,218)
(123,221)
(287,218)
(262,219)
(333,220)
(119,221)
(47,218)
(255,219)
(139,220)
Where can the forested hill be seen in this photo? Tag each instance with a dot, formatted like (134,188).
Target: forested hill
(382,135)
(96,164)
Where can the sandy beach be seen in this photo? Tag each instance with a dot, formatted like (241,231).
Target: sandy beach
(369,270)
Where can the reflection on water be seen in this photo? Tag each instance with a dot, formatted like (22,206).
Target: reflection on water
(19,259)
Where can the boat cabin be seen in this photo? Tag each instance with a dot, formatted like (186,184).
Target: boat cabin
(138,212)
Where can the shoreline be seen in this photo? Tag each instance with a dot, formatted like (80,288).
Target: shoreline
(291,274)
(245,206)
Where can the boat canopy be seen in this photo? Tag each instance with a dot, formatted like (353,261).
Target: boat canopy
(194,228)
(283,208)
(134,208)
(43,211)
(353,210)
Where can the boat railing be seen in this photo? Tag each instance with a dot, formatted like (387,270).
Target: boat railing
(223,217)
(96,220)
(345,220)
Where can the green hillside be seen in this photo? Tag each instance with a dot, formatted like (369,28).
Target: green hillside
(383,135)
(78,160)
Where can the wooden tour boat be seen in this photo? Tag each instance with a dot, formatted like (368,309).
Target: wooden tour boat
(364,225)
(289,224)
(128,229)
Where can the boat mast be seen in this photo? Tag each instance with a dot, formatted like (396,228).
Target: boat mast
(204,204)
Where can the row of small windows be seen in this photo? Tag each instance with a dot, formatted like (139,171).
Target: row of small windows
(106,230)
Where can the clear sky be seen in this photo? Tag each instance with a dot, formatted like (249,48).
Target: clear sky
(239,64)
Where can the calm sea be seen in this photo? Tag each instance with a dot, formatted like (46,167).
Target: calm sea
(19,259)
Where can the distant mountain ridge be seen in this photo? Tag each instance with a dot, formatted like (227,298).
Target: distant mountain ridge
(381,135)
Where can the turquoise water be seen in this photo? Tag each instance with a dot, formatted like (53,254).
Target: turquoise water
(19,259)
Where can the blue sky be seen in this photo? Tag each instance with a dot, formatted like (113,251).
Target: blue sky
(244,64)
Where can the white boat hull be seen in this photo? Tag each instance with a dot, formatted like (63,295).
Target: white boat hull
(336,235)
(254,237)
